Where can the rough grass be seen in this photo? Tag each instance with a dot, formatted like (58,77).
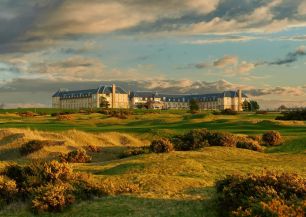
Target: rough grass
(111,143)
(172,184)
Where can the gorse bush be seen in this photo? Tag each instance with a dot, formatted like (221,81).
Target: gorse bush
(8,190)
(161,146)
(222,139)
(30,147)
(65,117)
(53,186)
(248,143)
(93,148)
(52,198)
(193,140)
(76,156)
(272,138)
(229,112)
(133,151)
(56,172)
(299,115)
(199,138)
(268,194)
(36,145)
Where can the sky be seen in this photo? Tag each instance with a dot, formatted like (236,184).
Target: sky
(186,46)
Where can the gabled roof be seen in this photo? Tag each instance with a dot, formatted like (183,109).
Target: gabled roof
(88,92)
(107,89)
(186,97)
(146,94)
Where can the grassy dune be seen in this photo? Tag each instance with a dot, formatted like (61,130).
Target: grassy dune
(174,184)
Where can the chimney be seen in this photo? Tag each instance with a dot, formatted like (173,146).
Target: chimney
(113,95)
(239,100)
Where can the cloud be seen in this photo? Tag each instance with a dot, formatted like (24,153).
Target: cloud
(92,17)
(229,64)
(220,40)
(290,58)
(302,8)
(45,23)
(245,67)
(226,61)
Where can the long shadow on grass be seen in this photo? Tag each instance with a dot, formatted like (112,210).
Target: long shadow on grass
(127,205)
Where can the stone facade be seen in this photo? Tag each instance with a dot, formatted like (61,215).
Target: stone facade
(216,101)
(118,98)
(91,98)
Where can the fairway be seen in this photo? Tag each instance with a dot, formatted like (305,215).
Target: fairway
(179,183)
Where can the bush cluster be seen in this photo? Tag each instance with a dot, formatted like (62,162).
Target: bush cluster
(121,113)
(52,198)
(63,113)
(249,143)
(133,151)
(161,146)
(193,140)
(225,112)
(53,186)
(75,156)
(299,115)
(64,117)
(8,190)
(93,148)
(216,138)
(261,112)
(272,138)
(27,114)
(268,194)
(199,138)
(36,145)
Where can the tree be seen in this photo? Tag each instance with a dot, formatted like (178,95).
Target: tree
(2,106)
(282,108)
(254,105)
(246,106)
(104,103)
(250,106)
(193,106)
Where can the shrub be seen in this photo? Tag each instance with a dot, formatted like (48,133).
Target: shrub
(299,115)
(261,112)
(272,138)
(133,151)
(268,194)
(249,144)
(229,112)
(161,146)
(8,190)
(124,140)
(36,145)
(19,174)
(27,114)
(257,138)
(193,140)
(52,198)
(52,186)
(65,117)
(56,172)
(94,148)
(31,146)
(76,156)
(222,139)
